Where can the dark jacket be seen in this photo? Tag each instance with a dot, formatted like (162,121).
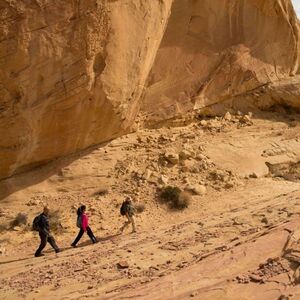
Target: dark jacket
(130,210)
(44,224)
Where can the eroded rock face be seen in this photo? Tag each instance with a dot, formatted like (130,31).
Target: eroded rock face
(75,73)
(71,73)
(215,50)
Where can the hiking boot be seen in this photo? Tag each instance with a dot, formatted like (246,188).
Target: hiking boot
(39,254)
(94,241)
(73,245)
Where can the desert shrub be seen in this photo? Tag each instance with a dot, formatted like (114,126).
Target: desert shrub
(183,201)
(169,193)
(140,207)
(3,228)
(174,197)
(55,221)
(100,192)
(20,219)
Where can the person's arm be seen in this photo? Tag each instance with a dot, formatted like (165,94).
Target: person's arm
(45,228)
(84,222)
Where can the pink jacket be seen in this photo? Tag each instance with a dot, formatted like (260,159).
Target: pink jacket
(84,222)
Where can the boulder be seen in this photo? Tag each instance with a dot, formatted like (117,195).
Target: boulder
(185,154)
(163,180)
(227,116)
(123,264)
(172,158)
(196,189)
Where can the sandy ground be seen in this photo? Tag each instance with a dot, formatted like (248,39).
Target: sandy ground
(230,243)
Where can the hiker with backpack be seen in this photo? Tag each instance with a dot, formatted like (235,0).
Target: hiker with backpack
(41,224)
(83,224)
(127,209)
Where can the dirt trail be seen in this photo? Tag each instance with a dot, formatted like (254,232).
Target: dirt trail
(226,245)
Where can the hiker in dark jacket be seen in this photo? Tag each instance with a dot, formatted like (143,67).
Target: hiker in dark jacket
(83,224)
(128,210)
(44,232)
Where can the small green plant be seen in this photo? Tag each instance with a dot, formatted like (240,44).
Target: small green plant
(175,198)
(20,219)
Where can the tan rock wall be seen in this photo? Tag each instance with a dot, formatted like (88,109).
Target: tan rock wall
(215,49)
(75,73)
(71,73)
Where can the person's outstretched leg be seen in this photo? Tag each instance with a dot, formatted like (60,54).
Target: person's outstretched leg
(91,235)
(124,226)
(52,242)
(132,223)
(80,234)
(43,244)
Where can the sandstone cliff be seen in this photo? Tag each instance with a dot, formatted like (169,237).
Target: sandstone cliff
(214,50)
(76,73)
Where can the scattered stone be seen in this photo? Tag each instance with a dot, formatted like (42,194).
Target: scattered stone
(31,203)
(264,220)
(201,157)
(227,116)
(237,221)
(229,185)
(163,180)
(253,175)
(123,264)
(242,279)
(203,123)
(193,294)
(255,278)
(147,174)
(184,154)
(246,120)
(17,228)
(296,275)
(172,158)
(283,297)
(197,189)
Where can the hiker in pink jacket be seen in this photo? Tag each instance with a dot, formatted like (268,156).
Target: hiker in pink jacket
(83,224)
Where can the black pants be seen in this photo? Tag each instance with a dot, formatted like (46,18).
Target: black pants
(44,239)
(80,234)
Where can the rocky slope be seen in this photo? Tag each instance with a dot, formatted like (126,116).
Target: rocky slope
(238,236)
(77,73)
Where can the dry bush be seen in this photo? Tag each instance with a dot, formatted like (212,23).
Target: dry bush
(100,192)
(3,227)
(55,221)
(175,198)
(20,219)
(140,207)
(183,201)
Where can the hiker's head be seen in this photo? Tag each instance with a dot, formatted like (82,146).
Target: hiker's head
(46,210)
(82,208)
(128,199)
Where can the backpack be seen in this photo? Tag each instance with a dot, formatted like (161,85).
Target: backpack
(36,223)
(123,209)
(78,222)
